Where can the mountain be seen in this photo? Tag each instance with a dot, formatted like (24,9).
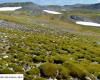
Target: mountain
(92,6)
(15,4)
(25,5)
(28,6)
(83,6)
(52,7)
(74,7)
(35,8)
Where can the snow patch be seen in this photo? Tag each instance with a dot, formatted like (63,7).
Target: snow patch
(51,12)
(88,23)
(9,8)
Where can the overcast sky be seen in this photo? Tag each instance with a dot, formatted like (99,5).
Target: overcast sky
(56,2)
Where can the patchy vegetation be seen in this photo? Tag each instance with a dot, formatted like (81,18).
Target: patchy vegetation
(45,46)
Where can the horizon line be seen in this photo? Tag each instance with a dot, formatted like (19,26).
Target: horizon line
(48,4)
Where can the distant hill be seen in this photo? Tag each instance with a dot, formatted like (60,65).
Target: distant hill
(15,4)
(25,5)
(35,8)
(83,6)
(76,6)
(92,6)
(29,6)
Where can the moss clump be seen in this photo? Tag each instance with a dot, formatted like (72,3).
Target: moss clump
(6,71)
(49,70)
(63,73)
(33,71)
(76,70)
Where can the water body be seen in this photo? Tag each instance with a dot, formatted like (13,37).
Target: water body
(9,8)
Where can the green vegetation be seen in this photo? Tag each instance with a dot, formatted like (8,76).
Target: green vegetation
(44,48)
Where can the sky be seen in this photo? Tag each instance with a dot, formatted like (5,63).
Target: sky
(55,2)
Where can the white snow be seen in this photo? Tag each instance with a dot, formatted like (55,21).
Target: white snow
(9,8)
(88,23)
(51,12)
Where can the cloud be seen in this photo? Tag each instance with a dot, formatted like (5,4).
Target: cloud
(98,0)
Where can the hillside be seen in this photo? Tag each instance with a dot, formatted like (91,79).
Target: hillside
(16,4)
(46,46)
(31,5)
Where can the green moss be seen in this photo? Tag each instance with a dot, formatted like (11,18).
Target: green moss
(61,54)
(48,70)
(33,71)
(76,70)
(6,71)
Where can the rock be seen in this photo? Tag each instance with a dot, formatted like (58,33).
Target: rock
(38,64)
(27,67)
(11,69)
(98,43)
(95,63)
(88,78)
(6,36)
(5,56)
(50,79)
